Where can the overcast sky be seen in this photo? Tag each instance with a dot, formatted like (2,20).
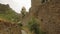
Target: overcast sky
(17,4)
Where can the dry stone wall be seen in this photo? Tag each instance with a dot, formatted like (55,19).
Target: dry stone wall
(9,28)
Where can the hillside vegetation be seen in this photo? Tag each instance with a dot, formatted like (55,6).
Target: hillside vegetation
(7,13)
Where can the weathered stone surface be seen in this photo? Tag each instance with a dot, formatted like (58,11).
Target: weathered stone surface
(49,15)
(9,28)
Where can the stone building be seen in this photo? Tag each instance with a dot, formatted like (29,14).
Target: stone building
(48,12)
(9,28)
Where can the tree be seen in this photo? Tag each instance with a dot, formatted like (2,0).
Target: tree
(23,12)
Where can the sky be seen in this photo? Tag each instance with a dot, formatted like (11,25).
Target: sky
(17,4)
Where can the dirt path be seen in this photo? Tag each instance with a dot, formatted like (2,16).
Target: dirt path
(23,32)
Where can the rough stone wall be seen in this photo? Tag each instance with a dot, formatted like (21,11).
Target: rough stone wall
(49,15)
(9,28)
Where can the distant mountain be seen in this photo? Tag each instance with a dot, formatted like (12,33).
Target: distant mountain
(7,13)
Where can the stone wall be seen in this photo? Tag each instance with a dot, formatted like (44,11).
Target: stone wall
(49,15)
(9,28)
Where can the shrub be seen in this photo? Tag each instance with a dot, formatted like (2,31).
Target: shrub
(34,26)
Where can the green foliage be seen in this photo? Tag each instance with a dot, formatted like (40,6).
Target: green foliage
(7,13)
(23,12)
(34,26)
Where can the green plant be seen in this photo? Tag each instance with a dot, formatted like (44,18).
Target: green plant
(23,12)
(34,26)
(9,14)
